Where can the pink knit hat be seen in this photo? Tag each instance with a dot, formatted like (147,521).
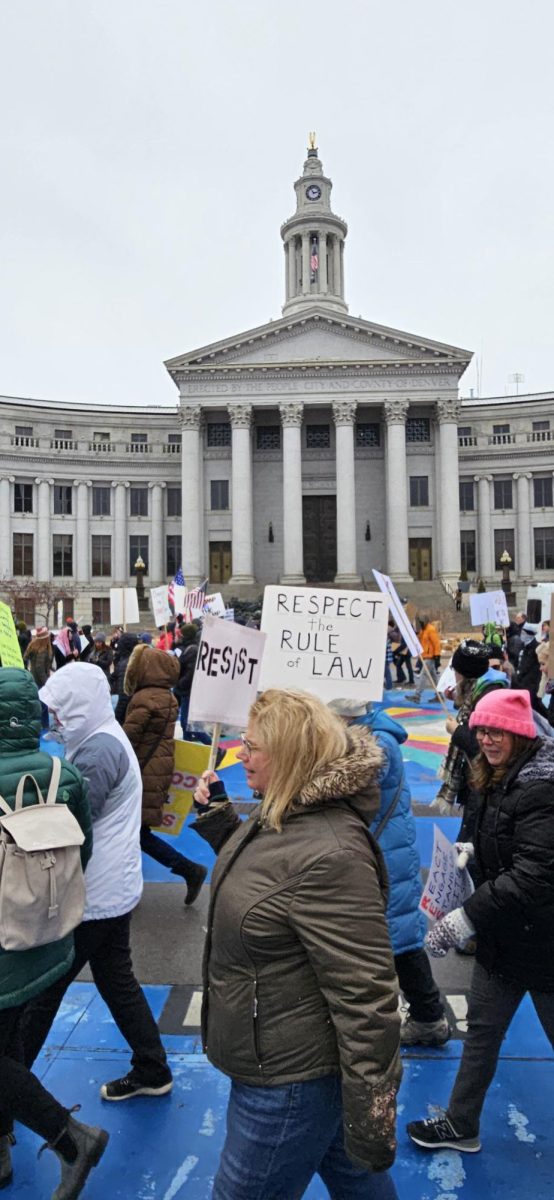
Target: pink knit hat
(502,709)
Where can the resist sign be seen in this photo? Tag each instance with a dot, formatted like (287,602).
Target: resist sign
(227,673)
(331,643)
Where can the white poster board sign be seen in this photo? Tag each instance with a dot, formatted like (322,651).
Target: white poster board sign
(328,642)
(160,605)
(214,605)
(403,625)
(447,887)
(447,681)
(179,593)
(227,673)
(489,606)
(124,608)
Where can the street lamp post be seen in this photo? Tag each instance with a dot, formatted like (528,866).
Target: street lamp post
(506,583)
(140,569)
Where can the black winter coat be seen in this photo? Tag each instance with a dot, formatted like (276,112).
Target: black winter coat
(528,668)
(512,909)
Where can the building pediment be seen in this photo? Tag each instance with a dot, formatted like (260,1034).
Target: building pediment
(316,337)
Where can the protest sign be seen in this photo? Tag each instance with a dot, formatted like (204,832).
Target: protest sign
(489,606)
(179,593)
(214,605)
(124,606)
(10,651)
(227,673)
(328,642)
(191,759)
(229,614)
(447,681)
(447,886)
(160,605)
(403,623)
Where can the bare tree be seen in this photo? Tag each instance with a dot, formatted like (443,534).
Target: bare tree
(43,596)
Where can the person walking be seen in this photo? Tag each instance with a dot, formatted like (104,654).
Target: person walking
(38,658)
(150,726)
(394,828)
(300,1003)
(528,670)
(511,912)
(431,655)
(24,974)
(81,705)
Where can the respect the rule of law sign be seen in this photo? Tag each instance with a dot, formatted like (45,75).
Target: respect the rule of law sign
(227,673)
(328,642)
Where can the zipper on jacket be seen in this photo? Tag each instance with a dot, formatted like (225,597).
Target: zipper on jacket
(255,1027)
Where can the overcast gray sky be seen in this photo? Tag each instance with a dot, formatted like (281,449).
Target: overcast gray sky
(148,152)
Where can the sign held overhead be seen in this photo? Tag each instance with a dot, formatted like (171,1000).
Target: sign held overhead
(227,673)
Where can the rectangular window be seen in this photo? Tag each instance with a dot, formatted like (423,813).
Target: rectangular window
(468,554)
(101,437)
(24,431)
(62,499)
(219,494)
(368,433)
(139,439)
(504,539)
(498,430)
(174,506)
(23,554)
(503,493)
(139,501)
(542,489)
(540,426)
(101,501)
(268,437)
(318,437)
(101,554)
(172,553)
(544,549)
(138,548)
(419,491)
(467,495)
(174,439)
(464,431)
(219,433)
(100,611)
(62,557)
(23,497)
(418,429)
(63,435)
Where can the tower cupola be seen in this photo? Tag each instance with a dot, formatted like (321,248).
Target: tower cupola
(314,243)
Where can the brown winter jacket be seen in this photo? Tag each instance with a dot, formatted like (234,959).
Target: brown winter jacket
(150,723)
(299,977)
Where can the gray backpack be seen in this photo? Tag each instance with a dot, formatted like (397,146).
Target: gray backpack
(42,887)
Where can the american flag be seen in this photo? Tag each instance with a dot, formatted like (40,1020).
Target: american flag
(194,600)
(177,581)
(314,258)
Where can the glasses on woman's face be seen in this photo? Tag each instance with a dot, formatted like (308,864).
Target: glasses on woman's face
(493,735)
(247,745)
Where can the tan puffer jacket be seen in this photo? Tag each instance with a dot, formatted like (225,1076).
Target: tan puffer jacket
(150,723)
(298,972)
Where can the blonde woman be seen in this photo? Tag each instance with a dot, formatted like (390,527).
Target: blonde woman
(300,999)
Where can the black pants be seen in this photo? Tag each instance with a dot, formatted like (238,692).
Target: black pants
(416,982)
(105,946)
(401,659)
(22,1096)
(162,852)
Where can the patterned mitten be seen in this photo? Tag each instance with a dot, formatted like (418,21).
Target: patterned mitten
(454,930)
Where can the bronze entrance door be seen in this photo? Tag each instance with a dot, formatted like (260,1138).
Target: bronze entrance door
(319,516)
(421,563)
(220,562)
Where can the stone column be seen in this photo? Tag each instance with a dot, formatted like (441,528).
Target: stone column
(5,528)
(192,491)
(397,491)
(291,269)
(241,491)
(523,563)
(293,549)
(485,564)
(344,415)
(323,262)
(336,266)
(448,491)
(120,567)
(156,572)
(44,541)
(82,548)
(305,263)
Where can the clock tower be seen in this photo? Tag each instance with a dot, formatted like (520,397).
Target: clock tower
(314,243)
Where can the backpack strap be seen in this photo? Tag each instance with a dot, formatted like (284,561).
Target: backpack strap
(390,810)
(54,781)
(52,789)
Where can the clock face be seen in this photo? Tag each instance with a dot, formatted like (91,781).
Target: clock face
(313,192)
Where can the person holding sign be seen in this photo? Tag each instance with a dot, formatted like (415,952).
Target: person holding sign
(511,911)
(300,1000)
(431,655)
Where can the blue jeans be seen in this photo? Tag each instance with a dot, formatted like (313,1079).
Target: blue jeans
(279,1137)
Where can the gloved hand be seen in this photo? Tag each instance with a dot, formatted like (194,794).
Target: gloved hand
(466,851)
(454,930)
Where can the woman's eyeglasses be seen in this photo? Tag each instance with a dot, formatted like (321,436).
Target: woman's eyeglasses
(494,735)
(248,746)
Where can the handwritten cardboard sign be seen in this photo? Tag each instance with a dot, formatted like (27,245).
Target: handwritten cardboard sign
(328,642)
(227,673)
(447,887)
(160,605)
(10,652)
(402,620)
(489,606)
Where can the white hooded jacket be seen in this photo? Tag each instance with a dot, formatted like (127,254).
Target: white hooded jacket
(80,699)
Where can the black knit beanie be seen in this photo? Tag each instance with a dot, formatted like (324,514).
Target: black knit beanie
(471,659)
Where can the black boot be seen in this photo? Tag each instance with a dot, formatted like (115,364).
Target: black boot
(79,1148)
(6,1172)
(193,875)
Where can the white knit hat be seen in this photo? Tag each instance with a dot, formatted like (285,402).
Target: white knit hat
(348,708)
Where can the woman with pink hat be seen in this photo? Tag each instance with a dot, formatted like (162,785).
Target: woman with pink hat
(511,913)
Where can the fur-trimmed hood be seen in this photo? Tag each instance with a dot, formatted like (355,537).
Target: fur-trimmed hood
(150,668)
(539,768)
(355,775)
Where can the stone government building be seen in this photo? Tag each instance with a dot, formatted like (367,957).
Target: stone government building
(311,448)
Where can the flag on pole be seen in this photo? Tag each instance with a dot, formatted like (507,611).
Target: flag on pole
(194,601)
(314,258)
(179,581)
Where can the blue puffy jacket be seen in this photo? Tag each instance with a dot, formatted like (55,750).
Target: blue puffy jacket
(407,924)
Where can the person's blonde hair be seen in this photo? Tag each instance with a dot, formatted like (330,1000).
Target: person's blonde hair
(302,737)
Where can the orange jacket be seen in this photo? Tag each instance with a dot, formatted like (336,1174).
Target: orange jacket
(430,642)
